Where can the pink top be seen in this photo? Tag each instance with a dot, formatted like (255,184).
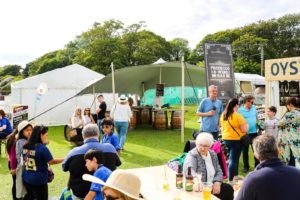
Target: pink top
(12,157)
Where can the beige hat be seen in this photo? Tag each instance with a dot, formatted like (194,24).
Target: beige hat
(120,180)
(123,98)
(23,124)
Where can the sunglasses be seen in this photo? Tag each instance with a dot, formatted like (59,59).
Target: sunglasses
(110,197)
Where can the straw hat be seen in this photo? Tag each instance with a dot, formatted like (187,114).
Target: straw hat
(23,124)
(120,180)
(123,98)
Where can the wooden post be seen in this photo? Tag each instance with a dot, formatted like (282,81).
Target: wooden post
(113,81)
(182,99)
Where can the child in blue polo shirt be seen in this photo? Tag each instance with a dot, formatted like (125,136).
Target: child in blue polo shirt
(93,162)
(108,135)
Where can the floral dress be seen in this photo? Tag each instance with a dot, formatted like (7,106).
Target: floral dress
(289,137)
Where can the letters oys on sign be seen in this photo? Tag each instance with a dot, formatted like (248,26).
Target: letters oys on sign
(285,68)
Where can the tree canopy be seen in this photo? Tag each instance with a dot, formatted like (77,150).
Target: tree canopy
(112,41)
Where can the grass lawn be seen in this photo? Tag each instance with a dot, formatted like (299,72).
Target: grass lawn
(144,147)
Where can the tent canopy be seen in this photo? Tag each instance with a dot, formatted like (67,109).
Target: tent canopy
(254,78)
(69,77)
(131,79)
(59,85)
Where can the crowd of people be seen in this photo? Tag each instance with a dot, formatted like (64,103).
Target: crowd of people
(238,125)
(30,159)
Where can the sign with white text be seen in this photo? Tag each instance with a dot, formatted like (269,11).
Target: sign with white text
(20,113)
(219,69)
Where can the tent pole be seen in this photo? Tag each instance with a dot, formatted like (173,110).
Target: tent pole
(113,81)
(182,99)
(94,97)
(143,88)
(160,75)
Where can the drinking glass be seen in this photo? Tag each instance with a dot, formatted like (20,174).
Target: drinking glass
(207,186)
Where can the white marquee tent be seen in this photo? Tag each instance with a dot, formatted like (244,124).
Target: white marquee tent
(46,90)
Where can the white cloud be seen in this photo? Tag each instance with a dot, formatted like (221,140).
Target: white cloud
(32,28)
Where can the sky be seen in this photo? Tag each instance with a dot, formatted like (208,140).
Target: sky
(31,28)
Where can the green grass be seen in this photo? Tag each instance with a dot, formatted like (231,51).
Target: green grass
(144,147)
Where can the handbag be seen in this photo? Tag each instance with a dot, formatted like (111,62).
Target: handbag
(245,139)
(50,175)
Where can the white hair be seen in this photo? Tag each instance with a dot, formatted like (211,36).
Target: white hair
(212,87)
(204,138)
(90,130)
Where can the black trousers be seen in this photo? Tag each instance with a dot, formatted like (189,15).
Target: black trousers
(246,152)
(36,192)
(13,189)
(226,193)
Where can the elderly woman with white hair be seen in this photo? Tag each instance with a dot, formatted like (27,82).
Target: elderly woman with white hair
(204,161)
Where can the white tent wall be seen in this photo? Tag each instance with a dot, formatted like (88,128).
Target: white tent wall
(62,84)
(249,81)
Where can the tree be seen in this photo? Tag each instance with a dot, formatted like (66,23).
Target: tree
(100,46)
(47,62)
(149,48)
(13,70)
(179,48)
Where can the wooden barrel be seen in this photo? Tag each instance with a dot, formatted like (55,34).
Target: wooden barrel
(133,119)
(176,119)
(161,120)
(145,116)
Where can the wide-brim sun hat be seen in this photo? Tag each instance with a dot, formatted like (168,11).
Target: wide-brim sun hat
(120,180)
(123,98)
(23,124)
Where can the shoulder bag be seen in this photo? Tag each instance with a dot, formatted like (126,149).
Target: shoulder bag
(245,139)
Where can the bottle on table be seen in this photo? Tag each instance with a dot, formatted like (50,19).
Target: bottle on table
(179,178)
(189,181)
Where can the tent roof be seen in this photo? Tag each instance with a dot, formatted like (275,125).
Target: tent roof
(130,79)
(255,78)
(69,77)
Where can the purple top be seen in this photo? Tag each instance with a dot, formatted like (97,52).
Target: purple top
(12,157)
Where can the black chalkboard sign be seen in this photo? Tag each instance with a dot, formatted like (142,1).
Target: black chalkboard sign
(219,70)
(160,89)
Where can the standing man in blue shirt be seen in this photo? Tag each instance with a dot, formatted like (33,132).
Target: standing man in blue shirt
(210,110)
(249,112)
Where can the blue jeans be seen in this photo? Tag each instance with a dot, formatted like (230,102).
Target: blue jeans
(235,149)
(122,128)
(99,121)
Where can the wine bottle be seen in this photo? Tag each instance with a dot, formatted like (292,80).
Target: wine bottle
(189,181)
(179,178)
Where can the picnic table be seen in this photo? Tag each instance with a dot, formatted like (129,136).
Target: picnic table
(154,178)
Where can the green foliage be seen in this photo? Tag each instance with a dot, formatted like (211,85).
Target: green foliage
(280,38)
(13,70)
(111,41)
(5,82)
(245,65)
(47,62)
(179,48)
